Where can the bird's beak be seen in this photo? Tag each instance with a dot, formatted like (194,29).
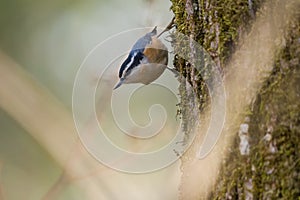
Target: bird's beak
(119,83)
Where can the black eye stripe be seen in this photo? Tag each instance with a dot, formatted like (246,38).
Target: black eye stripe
(136,54)
(131,62)
(136,61)
(123,66)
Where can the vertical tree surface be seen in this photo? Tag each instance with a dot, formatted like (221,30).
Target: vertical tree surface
(262,160)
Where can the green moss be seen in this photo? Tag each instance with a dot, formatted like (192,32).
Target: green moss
(273,167)
(215,25)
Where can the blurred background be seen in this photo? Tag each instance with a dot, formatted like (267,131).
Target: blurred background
(42,45)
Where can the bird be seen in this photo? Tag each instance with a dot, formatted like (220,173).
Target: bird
(147,60)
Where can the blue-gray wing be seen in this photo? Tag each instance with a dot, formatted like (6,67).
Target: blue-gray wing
(133,60)
(136,54)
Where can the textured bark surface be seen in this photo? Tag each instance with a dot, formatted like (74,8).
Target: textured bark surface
(263,162)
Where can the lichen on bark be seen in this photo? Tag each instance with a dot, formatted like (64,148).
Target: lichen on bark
(271,168)
(216,26)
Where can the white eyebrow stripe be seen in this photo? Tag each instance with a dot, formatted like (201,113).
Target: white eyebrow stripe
(130,63)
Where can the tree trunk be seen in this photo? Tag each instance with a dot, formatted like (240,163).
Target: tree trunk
(256,44)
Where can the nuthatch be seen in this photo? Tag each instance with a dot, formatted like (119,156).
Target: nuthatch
(146,61)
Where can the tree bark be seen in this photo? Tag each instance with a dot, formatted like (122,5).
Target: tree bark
(256,44)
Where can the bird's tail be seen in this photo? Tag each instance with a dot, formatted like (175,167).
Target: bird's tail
(154,31)
(169,27)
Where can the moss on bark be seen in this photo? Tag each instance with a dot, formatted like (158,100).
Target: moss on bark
(271,170)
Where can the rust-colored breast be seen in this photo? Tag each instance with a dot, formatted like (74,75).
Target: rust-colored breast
(156,52)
